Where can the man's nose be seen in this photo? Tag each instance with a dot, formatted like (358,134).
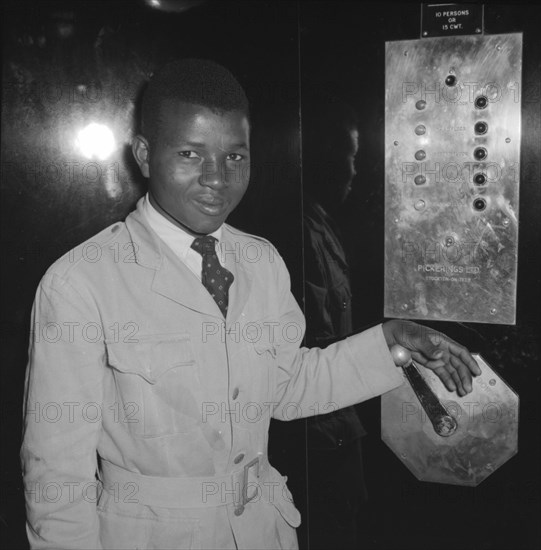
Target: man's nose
(213,174)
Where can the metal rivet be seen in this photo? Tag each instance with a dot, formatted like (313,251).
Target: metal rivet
(404,306)
(420,130)
(505,222)
(492,381)
(493,311)
(395,142)
(239,510)
(419,205)
(507,140)
(421,104)
(449,241)
(419,180)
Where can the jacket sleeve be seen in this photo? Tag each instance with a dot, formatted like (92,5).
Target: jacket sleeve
(62,418)
(316,381)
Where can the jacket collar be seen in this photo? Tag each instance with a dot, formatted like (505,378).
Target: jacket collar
(174,280)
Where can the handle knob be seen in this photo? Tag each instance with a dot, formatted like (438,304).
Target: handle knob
(401,356)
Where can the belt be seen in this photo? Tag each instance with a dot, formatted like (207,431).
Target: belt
(249,483)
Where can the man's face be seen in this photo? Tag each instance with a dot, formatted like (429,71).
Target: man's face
(198,164)
(347,163)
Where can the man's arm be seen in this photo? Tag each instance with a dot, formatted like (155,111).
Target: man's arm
(359,367)
(62,418)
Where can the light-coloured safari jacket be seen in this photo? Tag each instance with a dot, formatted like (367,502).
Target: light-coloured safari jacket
(147,416)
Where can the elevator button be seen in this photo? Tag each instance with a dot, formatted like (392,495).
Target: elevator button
(481,102)
(480,128)
(450,80)
(480,153)
(479,179)
(479,204)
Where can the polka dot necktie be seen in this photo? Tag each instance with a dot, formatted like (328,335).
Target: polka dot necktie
(215,278)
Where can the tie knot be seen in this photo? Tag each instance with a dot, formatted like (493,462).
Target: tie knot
(205,245)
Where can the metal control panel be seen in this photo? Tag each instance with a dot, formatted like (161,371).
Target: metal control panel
(452,153)
(484,437)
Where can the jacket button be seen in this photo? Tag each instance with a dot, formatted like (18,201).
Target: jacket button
(238,458)
(235,393)
(239,510)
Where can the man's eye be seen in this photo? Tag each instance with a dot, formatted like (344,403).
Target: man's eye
(188,154)
(234,157)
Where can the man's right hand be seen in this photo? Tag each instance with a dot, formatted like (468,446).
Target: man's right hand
(452,362)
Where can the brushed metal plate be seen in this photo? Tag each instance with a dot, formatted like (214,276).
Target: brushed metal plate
(486,436)
(451,240)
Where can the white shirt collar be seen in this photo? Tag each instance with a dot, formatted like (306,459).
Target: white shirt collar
(176,238)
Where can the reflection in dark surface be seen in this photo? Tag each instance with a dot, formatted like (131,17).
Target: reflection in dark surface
(343,50)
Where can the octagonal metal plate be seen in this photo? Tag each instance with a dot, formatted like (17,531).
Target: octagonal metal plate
(486,437)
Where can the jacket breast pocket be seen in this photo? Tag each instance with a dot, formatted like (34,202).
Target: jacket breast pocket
(157,384)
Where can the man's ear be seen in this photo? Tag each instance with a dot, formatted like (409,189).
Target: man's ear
(141,151)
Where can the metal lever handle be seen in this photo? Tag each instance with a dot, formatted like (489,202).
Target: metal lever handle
(442,422)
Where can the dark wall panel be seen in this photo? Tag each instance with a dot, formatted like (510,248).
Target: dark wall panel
(343,52)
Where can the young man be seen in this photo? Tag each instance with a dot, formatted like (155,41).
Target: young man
(178,346)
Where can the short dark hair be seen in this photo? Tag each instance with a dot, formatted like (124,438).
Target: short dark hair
(196,81)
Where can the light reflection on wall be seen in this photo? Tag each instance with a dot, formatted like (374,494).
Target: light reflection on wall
(97,141)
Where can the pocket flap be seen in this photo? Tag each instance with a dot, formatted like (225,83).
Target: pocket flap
(151,356)
(283,500)
(262,347)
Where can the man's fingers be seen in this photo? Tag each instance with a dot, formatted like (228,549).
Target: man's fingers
(464,355)
(446,378)
(463,372)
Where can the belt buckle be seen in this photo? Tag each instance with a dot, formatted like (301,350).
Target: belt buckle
(244,497)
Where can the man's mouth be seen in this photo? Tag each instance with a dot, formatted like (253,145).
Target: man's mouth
(210,204)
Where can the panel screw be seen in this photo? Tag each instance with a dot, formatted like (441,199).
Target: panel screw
(493,311)
(507,140)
